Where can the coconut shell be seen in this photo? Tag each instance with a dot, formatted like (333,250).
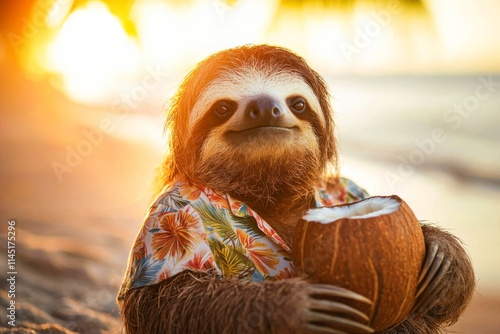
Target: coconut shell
(378,257)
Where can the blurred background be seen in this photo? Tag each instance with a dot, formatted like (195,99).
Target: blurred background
(416,94)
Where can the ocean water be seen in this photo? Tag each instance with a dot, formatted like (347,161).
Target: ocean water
(453,120)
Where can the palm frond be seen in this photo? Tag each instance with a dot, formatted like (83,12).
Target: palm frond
(145,271)
(231,260)
(173,199)
(216,220)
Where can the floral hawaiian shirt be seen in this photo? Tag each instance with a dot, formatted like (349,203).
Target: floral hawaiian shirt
(191,227)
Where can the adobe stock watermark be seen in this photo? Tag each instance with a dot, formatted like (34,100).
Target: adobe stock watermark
(92,138)
(31,26)
(364,36)
(11,273)
(453,117)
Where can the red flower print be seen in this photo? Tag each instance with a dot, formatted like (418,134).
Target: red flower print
(217,200)
(200,261)
(189,192)
(261,255)
(176,236)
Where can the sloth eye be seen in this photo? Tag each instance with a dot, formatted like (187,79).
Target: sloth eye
(224,108)
(298,105)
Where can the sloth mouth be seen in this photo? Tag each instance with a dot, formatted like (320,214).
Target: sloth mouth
(263,128)
(266,132)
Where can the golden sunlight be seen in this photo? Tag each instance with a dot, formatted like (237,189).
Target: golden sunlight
(174,35)
(92,52)
(99,48)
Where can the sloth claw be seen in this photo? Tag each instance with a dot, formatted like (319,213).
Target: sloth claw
(331,306)
(430,283)
(322,329)
(318,321)
(325,315)
(431,255)
(335,291)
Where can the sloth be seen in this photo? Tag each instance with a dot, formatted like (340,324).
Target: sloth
(251,148)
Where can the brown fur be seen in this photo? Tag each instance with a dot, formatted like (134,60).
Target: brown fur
(197,303)
(279,191)
(279,184)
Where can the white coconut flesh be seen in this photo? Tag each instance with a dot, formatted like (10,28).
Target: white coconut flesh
(371,207)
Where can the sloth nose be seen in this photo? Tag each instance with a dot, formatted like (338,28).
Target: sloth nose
(263,110)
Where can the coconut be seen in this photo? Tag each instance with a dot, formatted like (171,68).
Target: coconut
(374,247)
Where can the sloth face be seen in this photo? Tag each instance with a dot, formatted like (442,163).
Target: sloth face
(253,121)
(258,114)
(257,134)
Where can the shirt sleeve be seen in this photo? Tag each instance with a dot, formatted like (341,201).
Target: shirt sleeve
(172,239)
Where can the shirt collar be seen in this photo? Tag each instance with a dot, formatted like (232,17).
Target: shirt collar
(240,209)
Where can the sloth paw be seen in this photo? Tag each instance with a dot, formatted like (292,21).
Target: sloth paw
(431,280)
(324,315)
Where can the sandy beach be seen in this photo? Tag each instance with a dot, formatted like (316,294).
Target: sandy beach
(74,227)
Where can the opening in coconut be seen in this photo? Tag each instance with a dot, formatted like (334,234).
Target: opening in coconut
(370,207)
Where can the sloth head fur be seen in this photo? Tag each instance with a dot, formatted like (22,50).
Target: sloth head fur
(252,121)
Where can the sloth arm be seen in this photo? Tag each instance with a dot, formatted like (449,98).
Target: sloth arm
(446,284)
(447,280)
(195,302)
